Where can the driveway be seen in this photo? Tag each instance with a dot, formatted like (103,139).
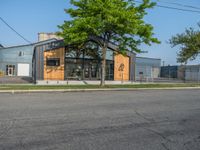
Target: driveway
(126,120)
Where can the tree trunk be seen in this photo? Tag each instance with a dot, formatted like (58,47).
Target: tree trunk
(103,66)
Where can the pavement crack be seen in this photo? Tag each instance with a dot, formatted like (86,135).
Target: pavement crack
(164,146)
(151,120)
(159,134)
(162,136)
(193,141)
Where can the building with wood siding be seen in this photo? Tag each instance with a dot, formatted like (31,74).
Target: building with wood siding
(53,60)
(56,61)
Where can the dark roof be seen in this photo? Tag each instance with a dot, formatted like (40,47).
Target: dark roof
(60,43)
(33,44)
(111,45)
(149,58)
(46,41)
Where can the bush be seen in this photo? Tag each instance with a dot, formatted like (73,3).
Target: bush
(1,73)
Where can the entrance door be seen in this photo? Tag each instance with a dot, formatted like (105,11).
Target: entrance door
(10,70)
(91,71)
(87,71)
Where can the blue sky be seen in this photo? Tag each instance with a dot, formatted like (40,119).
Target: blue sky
(29,17)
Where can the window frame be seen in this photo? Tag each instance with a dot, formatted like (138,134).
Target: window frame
(56,62)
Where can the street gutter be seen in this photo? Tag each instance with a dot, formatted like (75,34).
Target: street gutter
(90,90)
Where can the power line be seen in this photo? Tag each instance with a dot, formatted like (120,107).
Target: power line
(179,4)
(14,30)
(174,8)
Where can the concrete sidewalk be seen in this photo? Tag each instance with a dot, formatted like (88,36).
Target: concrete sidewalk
(15,80)
(81,82)
(97,82)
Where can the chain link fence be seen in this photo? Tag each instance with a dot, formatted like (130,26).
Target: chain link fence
(181,73)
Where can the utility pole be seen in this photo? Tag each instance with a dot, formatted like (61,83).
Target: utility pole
(169,72)
(199,75)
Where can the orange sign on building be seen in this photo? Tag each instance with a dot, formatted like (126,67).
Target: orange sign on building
(121,67)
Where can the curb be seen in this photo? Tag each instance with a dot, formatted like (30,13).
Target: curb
(93,90)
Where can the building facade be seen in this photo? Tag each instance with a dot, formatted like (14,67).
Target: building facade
(147,67)
(170,72)
(60,62)
(17,60)
(51,59)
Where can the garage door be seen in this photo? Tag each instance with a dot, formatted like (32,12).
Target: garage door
(23,69)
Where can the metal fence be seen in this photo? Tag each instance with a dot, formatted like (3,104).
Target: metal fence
(192,76)
(173,75)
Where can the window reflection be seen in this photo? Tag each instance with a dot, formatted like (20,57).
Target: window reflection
(85,63)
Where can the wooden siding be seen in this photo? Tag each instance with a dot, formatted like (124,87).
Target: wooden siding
(121,67)
(54,72)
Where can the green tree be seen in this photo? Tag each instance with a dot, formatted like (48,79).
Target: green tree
(189,43)
(118,21)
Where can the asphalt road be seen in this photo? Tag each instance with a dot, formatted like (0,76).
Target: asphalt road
(127,120)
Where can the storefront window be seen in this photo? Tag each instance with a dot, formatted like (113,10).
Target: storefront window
(86,63)
(109,54)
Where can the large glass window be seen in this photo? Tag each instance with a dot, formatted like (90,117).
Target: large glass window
(109,70)
(73,68)
(109,54)
(85,63)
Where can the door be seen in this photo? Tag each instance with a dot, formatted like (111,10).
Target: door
(23,69)
(87,71)
(91,71)
(10,70)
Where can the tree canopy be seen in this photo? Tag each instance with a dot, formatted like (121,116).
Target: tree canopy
(117,21)
(189,43)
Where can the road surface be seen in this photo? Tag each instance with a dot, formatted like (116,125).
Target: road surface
(121,120)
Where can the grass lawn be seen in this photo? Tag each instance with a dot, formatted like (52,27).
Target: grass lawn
(137,86)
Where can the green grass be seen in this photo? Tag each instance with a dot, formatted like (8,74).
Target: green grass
(46,87)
